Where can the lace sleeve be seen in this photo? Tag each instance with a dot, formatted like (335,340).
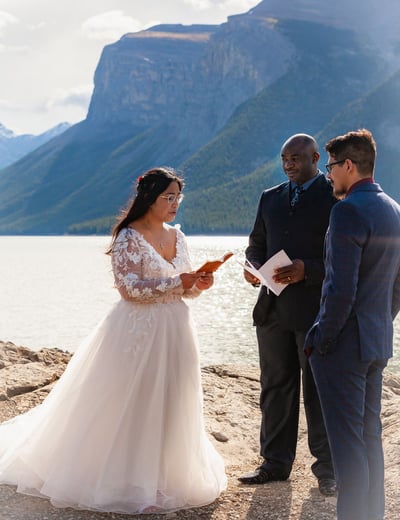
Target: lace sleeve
(127,265)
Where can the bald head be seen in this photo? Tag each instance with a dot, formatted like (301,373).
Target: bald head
(304,141)
(300,158)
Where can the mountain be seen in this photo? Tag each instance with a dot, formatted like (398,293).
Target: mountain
(230,206)
(378,110)
(13,147)
(374,23)
(215,101)
(5,132)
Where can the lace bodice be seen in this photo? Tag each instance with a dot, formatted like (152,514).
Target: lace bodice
(142,275)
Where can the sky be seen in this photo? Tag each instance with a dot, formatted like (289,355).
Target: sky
(49,50)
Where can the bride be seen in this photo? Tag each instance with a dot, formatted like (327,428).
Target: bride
(122,430)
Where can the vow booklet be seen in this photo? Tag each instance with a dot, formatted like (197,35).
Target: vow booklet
(212,265)
(267,271)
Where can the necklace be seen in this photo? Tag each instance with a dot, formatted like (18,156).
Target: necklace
(159,239)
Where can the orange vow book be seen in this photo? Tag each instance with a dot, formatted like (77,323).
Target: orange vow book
(212,265)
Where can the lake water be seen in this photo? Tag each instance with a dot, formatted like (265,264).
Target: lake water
(54,290)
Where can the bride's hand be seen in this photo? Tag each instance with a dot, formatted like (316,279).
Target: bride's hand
(205,281)
(189,279)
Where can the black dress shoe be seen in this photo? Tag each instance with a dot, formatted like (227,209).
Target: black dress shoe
(261,476)
(327,487)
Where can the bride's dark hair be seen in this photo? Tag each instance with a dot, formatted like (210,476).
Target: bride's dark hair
(149,186)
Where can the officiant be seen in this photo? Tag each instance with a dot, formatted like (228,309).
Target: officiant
(292,216)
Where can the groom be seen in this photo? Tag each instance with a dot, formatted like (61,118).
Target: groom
(352,337)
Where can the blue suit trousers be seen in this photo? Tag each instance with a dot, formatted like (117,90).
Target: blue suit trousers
(350,395)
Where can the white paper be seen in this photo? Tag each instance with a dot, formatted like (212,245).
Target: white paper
(267,271)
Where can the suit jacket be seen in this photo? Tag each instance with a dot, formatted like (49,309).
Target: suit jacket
(300,231)
(362,258)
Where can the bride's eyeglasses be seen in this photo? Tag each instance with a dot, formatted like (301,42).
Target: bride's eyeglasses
(171,198)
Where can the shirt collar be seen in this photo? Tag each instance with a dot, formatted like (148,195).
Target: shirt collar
(308,183)
(367,180)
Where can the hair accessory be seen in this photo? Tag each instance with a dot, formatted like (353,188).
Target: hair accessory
(140,178)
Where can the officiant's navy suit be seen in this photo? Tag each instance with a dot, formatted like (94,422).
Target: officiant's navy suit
(282,322)
(351,341)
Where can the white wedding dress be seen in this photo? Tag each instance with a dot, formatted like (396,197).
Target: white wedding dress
(123,428)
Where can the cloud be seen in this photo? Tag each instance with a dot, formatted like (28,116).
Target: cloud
(239,5)
(6,104)
(78,96)
(6,19)
(199,4)
(37,26)
(110,26)
(16,49)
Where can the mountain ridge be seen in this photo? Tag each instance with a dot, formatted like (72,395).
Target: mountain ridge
(14,147)
(216,106)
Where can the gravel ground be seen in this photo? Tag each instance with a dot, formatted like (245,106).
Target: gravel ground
(232,420)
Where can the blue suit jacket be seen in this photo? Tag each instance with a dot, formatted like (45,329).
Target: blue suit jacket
(362,273)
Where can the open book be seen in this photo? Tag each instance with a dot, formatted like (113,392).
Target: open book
(212,265)
(267,271)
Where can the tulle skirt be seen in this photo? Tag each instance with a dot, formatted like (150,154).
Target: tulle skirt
(123,429)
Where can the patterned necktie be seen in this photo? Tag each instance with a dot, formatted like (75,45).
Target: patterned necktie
(296,195)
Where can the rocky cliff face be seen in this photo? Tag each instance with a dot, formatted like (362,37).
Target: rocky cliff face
(144,77)
(198,75)
(187,76)
(243,57)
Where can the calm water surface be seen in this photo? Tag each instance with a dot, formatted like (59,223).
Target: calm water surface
(54,290)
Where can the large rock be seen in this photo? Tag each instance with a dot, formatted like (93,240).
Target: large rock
(23,371)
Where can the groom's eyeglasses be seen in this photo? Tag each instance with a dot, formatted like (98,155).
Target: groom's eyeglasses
(329,166)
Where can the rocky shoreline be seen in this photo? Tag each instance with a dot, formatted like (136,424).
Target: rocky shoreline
(232,420)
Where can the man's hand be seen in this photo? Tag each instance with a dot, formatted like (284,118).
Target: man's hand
(251,278)
(290,273)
